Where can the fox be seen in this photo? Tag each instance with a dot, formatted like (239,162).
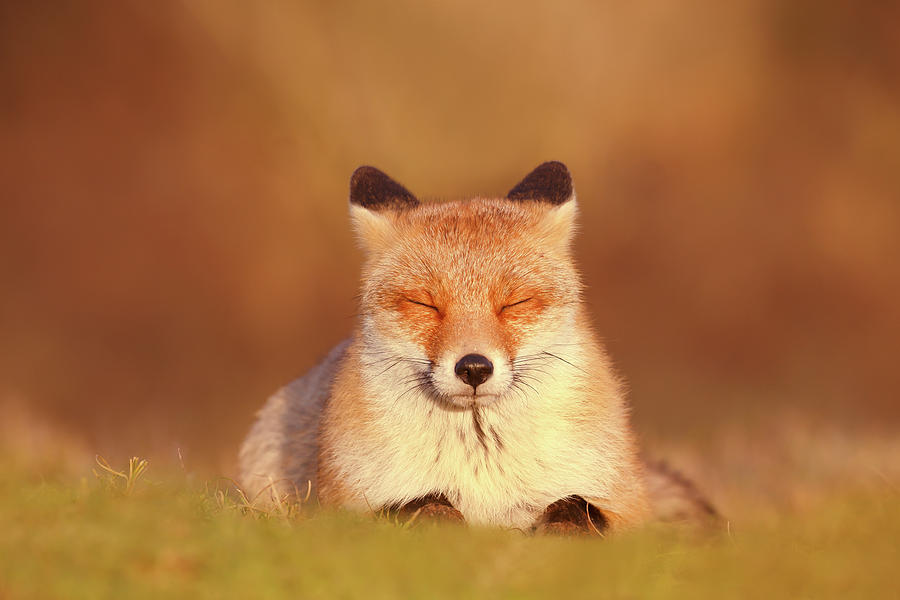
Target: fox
(473,387)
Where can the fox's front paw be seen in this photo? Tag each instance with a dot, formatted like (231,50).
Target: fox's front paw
(437,513)
(430,509)
(571,516)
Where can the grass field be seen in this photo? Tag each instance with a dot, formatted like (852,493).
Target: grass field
(173,536)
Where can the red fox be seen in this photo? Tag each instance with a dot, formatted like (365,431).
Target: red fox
(473,386)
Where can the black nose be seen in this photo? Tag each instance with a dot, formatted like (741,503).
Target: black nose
(474,369)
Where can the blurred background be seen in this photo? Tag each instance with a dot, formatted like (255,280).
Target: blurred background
(174,240)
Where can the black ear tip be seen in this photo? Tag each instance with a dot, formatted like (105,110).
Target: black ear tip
(362,172)
(373,189)
(549,182)
(553,166)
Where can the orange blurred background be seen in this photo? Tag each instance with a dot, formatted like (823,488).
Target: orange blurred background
(174,243)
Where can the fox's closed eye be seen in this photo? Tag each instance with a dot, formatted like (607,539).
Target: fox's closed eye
(425,304)
(514,304)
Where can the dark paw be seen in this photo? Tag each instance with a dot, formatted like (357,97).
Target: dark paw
(430,509)
(571,516)
(436,513)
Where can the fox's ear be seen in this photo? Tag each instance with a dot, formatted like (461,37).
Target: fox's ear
(559,224)
(549,182)
(372,189)
(374,199)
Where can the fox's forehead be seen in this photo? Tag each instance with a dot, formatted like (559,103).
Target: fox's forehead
(469,251)
(469,223)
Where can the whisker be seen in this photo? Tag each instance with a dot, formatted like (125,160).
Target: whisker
(525,383)
(389,367)
(531,360)
(535,369)
(379,361)
(565,361)
(537,380)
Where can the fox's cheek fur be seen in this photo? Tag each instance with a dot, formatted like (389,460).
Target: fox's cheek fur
(419,323)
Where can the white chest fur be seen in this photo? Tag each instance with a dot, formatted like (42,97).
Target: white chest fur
(499,464)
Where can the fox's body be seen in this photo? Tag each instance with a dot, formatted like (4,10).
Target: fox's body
(473,374)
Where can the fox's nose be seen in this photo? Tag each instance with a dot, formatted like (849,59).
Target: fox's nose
(474,369)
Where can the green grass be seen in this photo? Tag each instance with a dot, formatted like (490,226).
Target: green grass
(129,538)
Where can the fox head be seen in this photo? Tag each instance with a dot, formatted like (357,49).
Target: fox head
(467,302)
